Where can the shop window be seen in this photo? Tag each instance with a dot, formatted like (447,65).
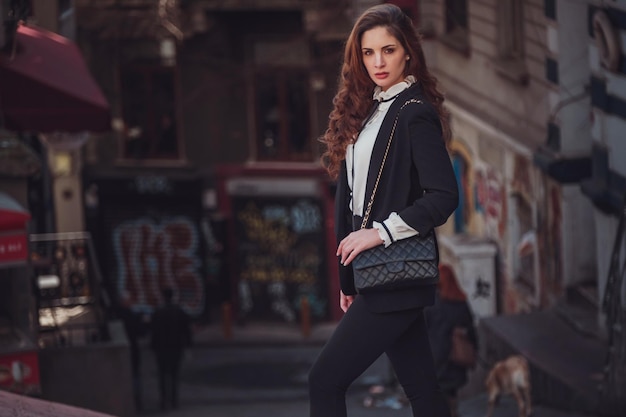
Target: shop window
(282,115)
(149,130)
(510,59)
(456,25)
(67,291)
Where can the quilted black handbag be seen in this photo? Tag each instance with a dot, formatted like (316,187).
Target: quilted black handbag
(405,263)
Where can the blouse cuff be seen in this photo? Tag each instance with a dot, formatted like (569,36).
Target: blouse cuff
(384,235)
(398,228)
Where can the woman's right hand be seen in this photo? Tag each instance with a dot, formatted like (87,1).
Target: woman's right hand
(345,301)
(356,242)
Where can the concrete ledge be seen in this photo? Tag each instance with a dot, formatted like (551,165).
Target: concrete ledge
(97,377)
(20,406)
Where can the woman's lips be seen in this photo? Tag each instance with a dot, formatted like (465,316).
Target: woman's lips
(381,75)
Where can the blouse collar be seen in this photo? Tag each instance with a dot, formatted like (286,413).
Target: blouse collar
(394,90)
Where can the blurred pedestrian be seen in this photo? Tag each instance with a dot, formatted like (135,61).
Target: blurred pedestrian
(171,335)
(134,329)
(450,310)
(384,76)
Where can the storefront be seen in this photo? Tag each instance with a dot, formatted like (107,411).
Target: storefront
(19,364)
(69,305)
(281,242)
(48,94)
(149,233)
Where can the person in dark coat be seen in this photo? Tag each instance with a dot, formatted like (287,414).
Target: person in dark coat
(171,335)
(451,309)
(134,329)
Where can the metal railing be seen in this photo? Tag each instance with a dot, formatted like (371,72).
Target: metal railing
(614,307)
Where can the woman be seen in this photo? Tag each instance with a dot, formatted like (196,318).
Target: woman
(450,310)
(417,191)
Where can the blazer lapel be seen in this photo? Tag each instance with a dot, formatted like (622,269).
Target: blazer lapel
(381,142)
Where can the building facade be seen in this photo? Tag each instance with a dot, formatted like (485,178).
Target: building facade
(493,59)
(217,107)
(606,188)
(536,92)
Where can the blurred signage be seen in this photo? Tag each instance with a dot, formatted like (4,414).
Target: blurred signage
(19,373)
(280,256)
(13,248)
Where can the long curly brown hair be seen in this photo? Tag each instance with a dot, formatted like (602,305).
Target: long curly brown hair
(353,100)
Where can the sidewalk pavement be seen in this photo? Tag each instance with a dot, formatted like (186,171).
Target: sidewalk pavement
(266,334)
(474,407)
(261,371)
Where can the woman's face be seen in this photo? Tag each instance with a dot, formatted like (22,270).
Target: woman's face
(383,56)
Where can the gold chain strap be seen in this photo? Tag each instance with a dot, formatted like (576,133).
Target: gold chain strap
(368,210)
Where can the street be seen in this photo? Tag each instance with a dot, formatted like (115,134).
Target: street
(251,379)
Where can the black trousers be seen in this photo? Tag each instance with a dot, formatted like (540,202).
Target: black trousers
(360,338)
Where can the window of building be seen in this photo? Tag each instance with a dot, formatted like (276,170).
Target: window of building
(510,40)
(511,21)
(281,101)
(282,115)
(149,113)
(456,25)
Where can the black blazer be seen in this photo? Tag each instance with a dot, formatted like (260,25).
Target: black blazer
(417,182)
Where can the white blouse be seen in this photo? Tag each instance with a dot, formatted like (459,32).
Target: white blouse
(358,158)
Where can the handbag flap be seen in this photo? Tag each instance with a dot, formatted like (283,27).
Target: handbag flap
(413,249)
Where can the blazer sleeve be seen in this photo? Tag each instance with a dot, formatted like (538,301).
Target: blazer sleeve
(434,171)
(342,228)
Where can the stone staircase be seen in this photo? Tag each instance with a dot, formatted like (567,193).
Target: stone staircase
(566,363)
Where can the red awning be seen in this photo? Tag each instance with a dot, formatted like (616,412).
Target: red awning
(46,86)
(12,215)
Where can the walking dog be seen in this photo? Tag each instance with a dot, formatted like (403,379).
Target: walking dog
(510,376)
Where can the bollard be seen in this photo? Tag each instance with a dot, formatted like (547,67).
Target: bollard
(227,320)
(305,317)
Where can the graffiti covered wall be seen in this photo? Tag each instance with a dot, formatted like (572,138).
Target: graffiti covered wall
(148,233)
(153,254)
(504,200)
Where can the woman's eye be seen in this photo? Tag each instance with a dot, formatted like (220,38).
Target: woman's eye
(367,52)
(389,51)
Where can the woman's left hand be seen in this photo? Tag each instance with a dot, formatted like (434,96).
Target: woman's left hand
(345,301)
(356,242)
